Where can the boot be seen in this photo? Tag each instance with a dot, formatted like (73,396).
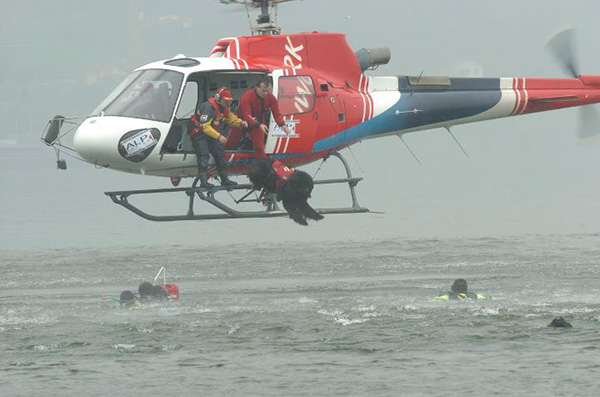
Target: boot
(204,181)
(225,181)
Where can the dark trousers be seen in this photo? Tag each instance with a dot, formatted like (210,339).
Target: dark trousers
(204,146)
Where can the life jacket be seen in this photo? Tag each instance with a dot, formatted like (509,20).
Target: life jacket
(217,118)
(282,171)
(469,296)
(172,291)
(462,296)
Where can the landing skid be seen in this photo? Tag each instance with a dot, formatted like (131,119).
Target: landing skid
(208,195)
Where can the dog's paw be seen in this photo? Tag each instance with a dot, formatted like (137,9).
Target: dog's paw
(298,217)
(310,213)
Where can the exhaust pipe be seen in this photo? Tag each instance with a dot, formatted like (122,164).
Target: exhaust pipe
(371,58)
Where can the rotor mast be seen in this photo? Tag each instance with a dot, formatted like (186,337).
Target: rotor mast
(265,25)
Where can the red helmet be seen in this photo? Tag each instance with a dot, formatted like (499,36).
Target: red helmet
(224,94)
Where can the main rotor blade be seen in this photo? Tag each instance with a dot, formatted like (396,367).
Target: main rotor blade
(563,49)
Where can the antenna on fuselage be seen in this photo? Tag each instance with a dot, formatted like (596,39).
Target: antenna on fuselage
(265,25)
(409,149)
(417,82)
(457,142)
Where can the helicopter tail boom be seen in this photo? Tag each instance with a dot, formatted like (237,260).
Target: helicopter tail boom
(427,102)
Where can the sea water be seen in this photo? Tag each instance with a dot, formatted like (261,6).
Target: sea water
(339,318)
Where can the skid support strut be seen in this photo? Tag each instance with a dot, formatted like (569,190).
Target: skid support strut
(271,208)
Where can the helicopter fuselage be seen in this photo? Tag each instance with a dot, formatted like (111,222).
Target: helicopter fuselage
(327,100)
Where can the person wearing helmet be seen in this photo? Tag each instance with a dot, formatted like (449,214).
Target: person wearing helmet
(146,294)
(206,138)
(254,107)
(127,299)
(459,291)
(145,290)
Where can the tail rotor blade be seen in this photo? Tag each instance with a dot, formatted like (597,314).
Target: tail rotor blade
(563,49)
(589,122)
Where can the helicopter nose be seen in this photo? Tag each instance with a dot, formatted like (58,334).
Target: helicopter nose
(117,142)
(91,142)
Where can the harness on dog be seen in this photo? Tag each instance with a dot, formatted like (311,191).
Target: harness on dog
(282,171)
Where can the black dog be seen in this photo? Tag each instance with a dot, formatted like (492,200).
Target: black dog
(560,322)
(293,188)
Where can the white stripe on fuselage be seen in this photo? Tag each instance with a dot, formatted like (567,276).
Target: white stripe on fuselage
(383,100)
(503,108)
(363,97)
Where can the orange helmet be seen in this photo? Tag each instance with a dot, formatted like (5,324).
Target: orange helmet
(223,93)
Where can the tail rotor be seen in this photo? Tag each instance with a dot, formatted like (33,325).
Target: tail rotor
(562,48)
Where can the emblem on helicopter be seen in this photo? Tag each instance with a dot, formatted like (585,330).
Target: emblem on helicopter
(291,124)
(136,145)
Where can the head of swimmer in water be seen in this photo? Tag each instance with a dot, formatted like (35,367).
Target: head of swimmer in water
(126,298)
(145,289)
(460,286)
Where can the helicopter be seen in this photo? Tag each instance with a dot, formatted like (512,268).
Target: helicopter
(326,93)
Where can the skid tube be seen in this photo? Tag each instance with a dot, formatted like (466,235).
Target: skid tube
(208,195)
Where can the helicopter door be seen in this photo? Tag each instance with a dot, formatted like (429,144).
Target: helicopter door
(296,98)
(177,140)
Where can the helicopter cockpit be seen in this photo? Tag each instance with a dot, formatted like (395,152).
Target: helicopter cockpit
(156,95)
(147,94)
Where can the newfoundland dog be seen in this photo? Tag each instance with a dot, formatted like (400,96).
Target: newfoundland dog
(291,187)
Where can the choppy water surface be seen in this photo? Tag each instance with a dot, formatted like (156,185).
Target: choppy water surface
(307,319)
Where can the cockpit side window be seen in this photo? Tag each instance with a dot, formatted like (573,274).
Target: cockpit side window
(296,95)
(151,94)
(188,102)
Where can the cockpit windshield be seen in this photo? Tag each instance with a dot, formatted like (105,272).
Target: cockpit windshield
(147,94)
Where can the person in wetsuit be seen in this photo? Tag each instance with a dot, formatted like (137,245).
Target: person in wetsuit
(147,293)
(459,291)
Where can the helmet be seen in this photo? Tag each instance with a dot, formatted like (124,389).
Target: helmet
(145,289)
(460,286)
(223,93)
(159,292)
(126,297)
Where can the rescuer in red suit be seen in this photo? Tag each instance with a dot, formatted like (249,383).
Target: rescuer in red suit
(254,107)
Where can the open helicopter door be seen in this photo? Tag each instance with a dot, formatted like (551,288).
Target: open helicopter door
(296,98)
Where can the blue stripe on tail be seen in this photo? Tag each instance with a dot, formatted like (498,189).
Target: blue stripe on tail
(465,97)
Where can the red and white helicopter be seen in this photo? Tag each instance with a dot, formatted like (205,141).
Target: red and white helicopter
(328,100)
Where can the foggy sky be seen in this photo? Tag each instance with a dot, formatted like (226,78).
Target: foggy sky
(525,175)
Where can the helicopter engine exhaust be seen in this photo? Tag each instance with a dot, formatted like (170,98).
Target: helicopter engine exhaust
(371,58)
